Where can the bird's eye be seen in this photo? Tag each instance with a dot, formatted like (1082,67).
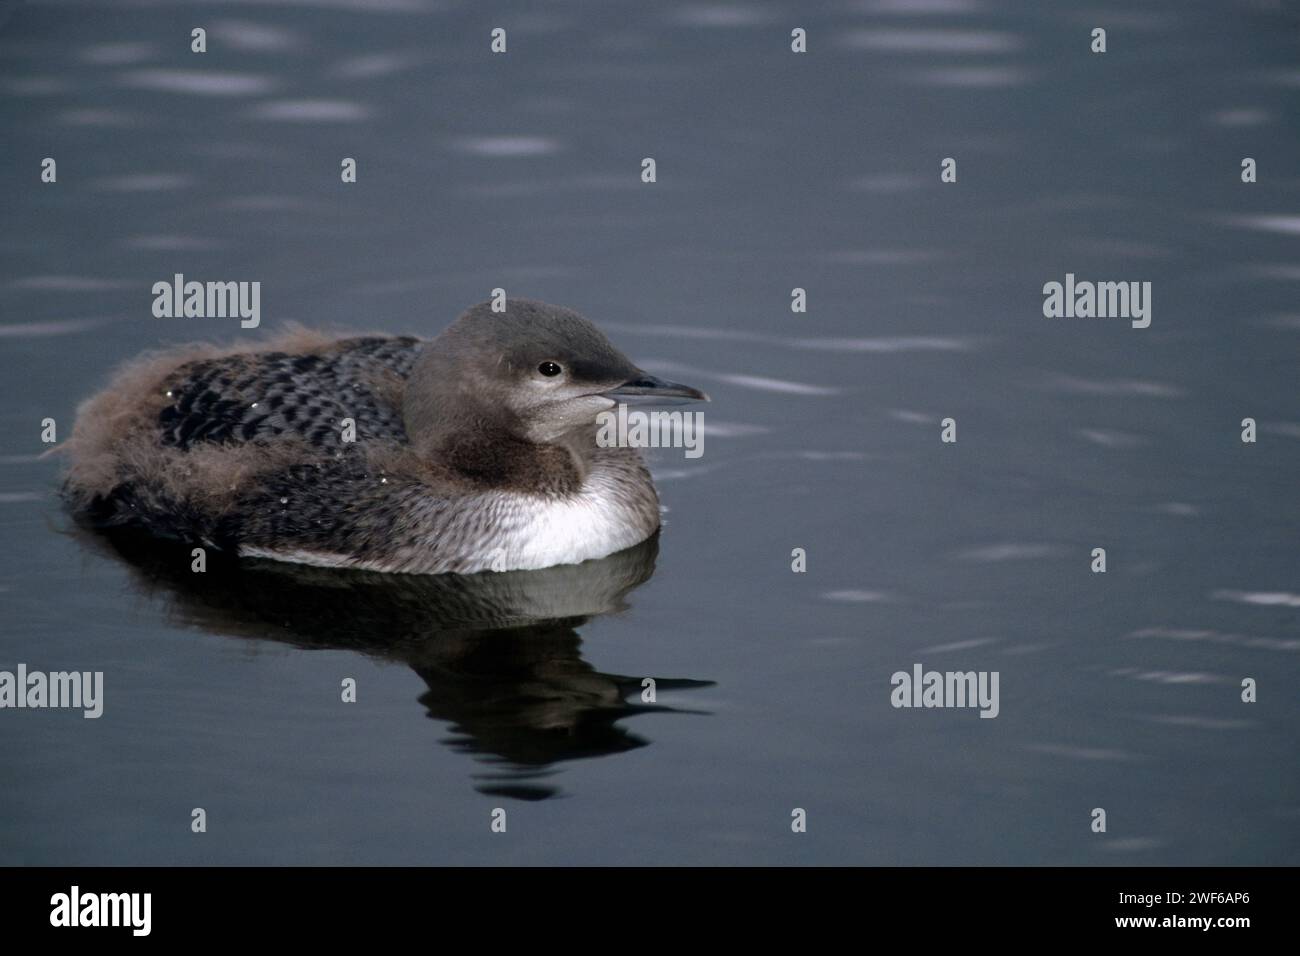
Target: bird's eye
(549,369)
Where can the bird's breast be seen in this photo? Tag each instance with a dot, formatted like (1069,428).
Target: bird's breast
(609,513)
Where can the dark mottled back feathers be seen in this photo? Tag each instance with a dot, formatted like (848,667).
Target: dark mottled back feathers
(239,398)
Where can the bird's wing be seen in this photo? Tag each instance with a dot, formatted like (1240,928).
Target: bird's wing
(239,398)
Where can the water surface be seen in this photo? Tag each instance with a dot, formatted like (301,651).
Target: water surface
(821,171)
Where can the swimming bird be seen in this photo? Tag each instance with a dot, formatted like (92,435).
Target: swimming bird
(475,450)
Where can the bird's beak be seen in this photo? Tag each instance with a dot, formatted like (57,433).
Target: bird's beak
(651,388)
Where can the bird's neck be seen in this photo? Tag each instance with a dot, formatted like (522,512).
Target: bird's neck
(489,455)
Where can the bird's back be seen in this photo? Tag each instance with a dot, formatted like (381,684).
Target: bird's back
(194,447)
(249,396)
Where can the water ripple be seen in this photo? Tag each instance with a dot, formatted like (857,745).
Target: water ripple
(759,383)
(1010,551)
(1109,438)
(37,330)
(879,344)
(896,343)
(507,146)
(931,41)
(911,8)
(1287,225)
(145,182)
(311,111)
(1114,387)
(1083,753)
(1260,598)
(250,37)
(1218,637)
(377,64)
(763,383)
(958,645)
(68,283)
(1170,677)
(717,429)
(858,597)
(198,82)
(1240,118)
(723,15)
(974,77)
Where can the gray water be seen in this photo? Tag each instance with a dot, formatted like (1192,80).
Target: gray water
(775,170)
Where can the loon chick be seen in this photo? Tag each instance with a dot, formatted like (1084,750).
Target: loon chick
(473,451)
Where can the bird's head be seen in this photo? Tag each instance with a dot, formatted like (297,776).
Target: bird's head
(539,371)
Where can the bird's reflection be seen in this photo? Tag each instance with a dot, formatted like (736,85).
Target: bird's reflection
(500,652)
